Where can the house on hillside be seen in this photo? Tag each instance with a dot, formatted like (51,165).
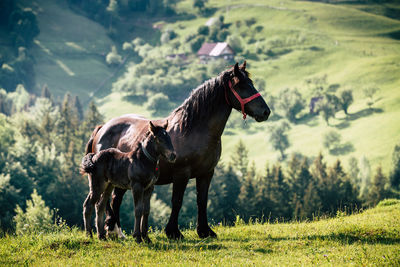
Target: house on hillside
(213,51)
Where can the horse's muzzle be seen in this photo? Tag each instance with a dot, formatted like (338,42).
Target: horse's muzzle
(171,158)
(264,116)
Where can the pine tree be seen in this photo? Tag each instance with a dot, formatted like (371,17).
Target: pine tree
(311,202)
(395,174)
(92,119)
(377,191)
(280,194)
(319,173)
(265,205)
(76,104)
(247,195)
(364,176)
(239,159)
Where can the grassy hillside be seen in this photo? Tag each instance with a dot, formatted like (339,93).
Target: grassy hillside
(355,45)
(354,48)
(69,51)
(371,238)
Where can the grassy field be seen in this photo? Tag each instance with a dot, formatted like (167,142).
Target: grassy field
(369,238)
(70,52)
(355,45)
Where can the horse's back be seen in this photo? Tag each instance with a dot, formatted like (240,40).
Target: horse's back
(113,133)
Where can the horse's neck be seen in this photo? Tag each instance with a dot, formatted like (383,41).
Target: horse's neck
(214,121)
(149,145)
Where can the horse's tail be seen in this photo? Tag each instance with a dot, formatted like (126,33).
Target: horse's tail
(89,145)
(87,165)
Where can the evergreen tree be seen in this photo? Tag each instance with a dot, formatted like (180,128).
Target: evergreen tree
(280,194)
(247,195)
(263,202)
(364,176)
(395,174)
(240,160)
(377,191)
(311,202)
(76,104)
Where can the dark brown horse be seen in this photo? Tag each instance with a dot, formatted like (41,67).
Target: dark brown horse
(137,170)
(195,129)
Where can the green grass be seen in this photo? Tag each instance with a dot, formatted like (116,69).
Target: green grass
(370,238)
(70,52)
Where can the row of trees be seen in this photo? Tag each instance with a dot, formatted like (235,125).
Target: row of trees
(41,148)
(43,143)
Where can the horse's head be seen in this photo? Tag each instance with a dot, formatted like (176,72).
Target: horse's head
(242,95)
(163,141)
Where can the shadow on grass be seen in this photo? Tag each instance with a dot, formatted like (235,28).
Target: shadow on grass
(363,113)
(308,119)
(342,149)
(345,238)
(135,99)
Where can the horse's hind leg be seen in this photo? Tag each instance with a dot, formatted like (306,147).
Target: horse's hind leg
(100,208)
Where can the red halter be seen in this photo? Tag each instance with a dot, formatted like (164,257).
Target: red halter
(241,100)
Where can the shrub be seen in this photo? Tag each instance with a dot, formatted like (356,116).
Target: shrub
(290,103)
(159,104)
(36,218)
(331,140)
(113,58)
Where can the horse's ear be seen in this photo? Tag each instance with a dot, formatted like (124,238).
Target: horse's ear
(243,66)
(152,128)
(236,71)
(165,125)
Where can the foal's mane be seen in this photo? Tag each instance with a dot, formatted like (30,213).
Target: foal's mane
(202,102)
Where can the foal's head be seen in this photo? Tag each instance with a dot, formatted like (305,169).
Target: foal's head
(163,141)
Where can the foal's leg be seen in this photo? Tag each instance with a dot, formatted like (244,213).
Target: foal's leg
(113,224)
(146,211)
(100,208)
(202,185)
(178,190)
(137,191)
(88,205)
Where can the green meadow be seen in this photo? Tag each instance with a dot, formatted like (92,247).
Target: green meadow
(366,238)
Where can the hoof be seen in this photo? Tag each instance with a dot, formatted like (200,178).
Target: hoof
(138,238)
(102,237)
(115,233)
(147,240)
(174,234)
(206,232)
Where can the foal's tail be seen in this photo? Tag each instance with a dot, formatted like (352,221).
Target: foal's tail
(89,144)
(87,165)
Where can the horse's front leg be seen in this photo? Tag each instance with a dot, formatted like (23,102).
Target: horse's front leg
(178,190)
(113,224)
(202,186)
(146,211)
(137,191)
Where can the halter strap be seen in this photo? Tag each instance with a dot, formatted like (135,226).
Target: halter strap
(241,100)
(147,154)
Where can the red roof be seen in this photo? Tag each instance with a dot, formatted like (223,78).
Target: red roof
(206,48)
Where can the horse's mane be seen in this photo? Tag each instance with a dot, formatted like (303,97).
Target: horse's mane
(202,102)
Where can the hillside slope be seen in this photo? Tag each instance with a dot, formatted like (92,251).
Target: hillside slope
(370,238)
(354,45)
(69,51)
